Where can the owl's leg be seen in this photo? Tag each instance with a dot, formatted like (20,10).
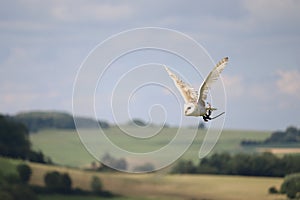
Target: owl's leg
(207,117)
(209,111)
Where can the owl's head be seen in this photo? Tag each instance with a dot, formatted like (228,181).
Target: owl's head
(190,109)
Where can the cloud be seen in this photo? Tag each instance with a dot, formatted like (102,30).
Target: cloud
(273,10)
(289,82)
(73,12)
(18,97)
(234,85)
(272,18)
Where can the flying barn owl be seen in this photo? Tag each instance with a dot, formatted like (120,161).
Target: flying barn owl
(195,102)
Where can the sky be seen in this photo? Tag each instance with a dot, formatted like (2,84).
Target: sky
(44,44)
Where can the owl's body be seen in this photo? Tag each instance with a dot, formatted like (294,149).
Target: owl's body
(195,101)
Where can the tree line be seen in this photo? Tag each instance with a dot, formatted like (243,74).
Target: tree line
(289,136)
(265,164)
(38,120)
(110,164)
(62,183)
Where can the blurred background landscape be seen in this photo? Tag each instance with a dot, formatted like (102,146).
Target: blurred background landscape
(43,44)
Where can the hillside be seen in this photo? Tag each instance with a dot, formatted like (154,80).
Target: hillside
(52,142)
(162,186)
(39,120)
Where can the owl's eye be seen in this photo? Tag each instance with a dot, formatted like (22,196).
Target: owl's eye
(188,108)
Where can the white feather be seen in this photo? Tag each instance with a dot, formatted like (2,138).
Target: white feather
(211,78)
(188,93)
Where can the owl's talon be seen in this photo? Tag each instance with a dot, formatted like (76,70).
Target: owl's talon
(206,117)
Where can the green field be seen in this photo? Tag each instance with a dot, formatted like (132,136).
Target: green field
(80,179)
(159,185)
(65,148)
(164,186)
(8,166)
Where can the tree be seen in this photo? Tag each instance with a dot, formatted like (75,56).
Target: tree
(14,140)
(4,195)
(66,183)
(57,182)
(104,124)
(291,163)
(24,172)
(96,185)
(184,167)
(38,157)
(11,179)
(120,164)
(111,162)
(12,189)
(273,190)
(291,185)
(221,162)
(52,180)
(21,192)
(138,122)
(147,167)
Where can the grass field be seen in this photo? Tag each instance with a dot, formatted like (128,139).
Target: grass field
(67,197)
(64,146)
(280,151)
(160,185)
(8,166)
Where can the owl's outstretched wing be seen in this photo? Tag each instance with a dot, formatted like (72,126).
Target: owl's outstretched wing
(210,79)
(188,93)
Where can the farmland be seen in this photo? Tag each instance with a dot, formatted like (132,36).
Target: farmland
(65,148)
(160,185)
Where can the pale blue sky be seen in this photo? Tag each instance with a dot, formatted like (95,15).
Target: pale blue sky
(43,44)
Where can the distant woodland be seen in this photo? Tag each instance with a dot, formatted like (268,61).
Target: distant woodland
(38,120)
(264,164)
(259,164)
(289,136)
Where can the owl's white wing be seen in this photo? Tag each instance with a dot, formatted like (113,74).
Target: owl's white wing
(188,93)
(210,79)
